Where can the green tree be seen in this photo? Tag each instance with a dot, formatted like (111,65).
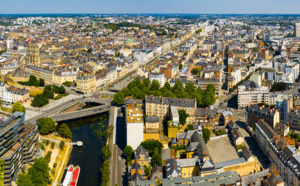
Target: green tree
(118,99)
(147,170)
(128,151)
(206,134)
(33,81)
(48,93)
(68,83)
(146,82)
(106,151)
(41,82)
(46,125)
(167,86)
(178,88)
(39,100)
(182,116)
(155,85)
(188,127)
(156,159)
(62,144)
(18,107)
(180,66)
(65,131)
(152,146)
(190,89)
(24,180)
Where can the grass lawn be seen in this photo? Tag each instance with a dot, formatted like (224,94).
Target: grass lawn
(104,96)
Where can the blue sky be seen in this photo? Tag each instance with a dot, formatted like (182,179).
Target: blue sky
(151,6)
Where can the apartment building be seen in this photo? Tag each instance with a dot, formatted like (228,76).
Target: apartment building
(285,157)
(86,82)
(12,94)
(255,113)
(41,72)
(19,144)
(160,77)
(143,55)
(160,106)
(134,122)
(250,92)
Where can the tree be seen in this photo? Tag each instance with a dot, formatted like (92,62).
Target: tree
(156,159)
(167,86)
(182,116)
(188,127)
(39,100)
(38,174)
(106,151)
(65,131)
(48,93)
(18,107)
(146,82)
(33,81)
(206,134)
(152,146)
(89,50)
(118,99)
(147,170)
(24,180)
(128,151)
(155,85)
(62,144)
(41,82)
(178,88)
(62,90)
(46,125)
(180,66)
(190,89)
(68,83)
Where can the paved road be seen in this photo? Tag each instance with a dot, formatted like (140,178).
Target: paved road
(117,167)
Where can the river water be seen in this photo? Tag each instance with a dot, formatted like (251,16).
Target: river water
(89,157)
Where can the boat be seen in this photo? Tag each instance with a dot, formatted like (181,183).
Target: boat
(72,176)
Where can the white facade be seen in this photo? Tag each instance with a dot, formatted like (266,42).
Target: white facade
(10,44)
(237,75)
(160,77)
(135,134)
(143,55)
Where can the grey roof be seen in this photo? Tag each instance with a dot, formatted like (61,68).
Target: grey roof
(230,163)
(266,129)
(141,151)
(172,168)
(152,119)
(246,152)
(178,102)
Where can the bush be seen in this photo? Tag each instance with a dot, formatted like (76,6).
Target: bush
(48,156)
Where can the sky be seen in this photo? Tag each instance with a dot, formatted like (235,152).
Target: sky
(151,6)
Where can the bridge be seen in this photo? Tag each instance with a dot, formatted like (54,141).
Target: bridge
(81,113)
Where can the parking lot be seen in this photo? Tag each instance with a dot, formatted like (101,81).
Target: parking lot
(221,150)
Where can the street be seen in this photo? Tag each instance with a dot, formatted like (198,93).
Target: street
(118,167)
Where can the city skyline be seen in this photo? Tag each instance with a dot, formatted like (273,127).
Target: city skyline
(154,6)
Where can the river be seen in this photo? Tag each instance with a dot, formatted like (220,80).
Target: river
(89,157)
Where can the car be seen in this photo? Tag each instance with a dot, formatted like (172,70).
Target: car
(95,110)
(119,158)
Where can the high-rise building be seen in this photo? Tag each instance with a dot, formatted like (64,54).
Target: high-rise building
(297,30)
(10,44)
(18,144)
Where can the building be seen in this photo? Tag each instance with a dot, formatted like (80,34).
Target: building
(12,94)
(255,113)
(250,92)
(160,77)
(160,106)
(151,123)
(225,179)
(142,155)
(9,44)
(294,119)
(86,82)
(297,30)
(19,144)
(280,152)
(33,55)
(143,55)
(134,122)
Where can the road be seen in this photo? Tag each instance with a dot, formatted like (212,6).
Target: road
(118,168)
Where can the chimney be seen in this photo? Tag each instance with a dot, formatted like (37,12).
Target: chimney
(288,125)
